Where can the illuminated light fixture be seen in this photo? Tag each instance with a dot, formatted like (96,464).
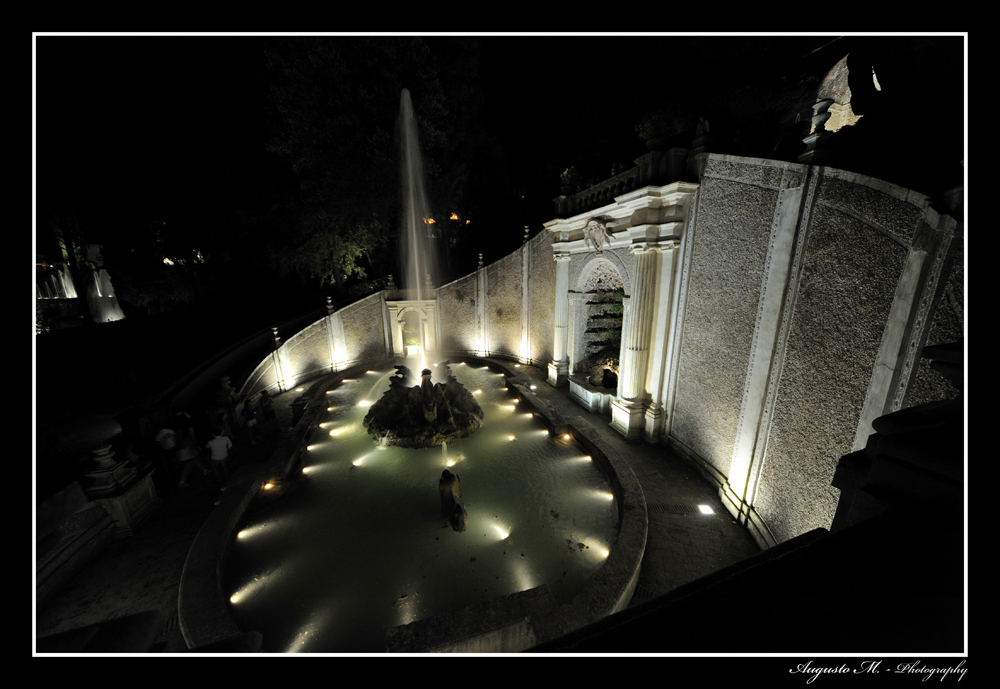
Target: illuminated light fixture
(705,509)
(476,392)
(308,470)
(329,392)
(168,261)
(534,387)
(369,371)
(268,486)
(335,431)
(567,436)
(467,222)
(510,407)
(310,447)
(504,535)
(329,408)
(299,389)
(356,462)
(545,432)
(324,424)
(454,216)
(606,496)
(517,365)
(589,458)
(364,403)
(510,437)
(429,221)
(529,414)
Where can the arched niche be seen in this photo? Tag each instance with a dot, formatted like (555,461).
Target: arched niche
(598,277)
(412,319)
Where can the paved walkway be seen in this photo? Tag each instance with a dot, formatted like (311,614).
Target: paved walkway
(143,572)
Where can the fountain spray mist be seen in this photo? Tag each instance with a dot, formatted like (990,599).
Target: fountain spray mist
(419,260)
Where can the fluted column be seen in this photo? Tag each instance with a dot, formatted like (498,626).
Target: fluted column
(559,366)
(627,412)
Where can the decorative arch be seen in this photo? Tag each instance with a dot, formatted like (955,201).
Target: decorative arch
(424,310)
(607,271)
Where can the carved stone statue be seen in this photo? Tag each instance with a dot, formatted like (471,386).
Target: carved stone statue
(595,234)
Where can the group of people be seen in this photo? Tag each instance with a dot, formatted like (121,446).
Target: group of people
(182,450)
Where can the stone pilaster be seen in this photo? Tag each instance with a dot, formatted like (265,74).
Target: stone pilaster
(559,366)
(627,412)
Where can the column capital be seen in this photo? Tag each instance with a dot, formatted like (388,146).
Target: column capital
(660,245)
(560,256)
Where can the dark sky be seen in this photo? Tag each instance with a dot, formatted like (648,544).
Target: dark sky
(185,111)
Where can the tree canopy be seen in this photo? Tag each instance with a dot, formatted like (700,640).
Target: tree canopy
(335,105)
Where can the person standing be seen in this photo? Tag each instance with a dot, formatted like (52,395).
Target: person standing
(220,446)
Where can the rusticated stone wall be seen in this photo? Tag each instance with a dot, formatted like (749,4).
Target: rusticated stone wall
(541,292)
(727,262)
(777,380)
(307,353)
(503,304)
(456,303)
(364,333)
(849,275)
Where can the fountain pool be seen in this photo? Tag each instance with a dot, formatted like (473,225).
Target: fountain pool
(360,547)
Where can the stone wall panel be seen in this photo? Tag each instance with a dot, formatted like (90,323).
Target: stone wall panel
(457,315)
(727,263)
(364,334)
(848,282)
(541,292)
(503,280)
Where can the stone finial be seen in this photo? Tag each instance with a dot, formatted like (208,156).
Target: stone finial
(392,283)
(527,231)
(277,340)
(480,260)
(329,305)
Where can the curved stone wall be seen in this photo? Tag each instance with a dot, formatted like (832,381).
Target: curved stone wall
(804,296)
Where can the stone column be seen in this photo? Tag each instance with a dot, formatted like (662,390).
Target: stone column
(662,333)
(559,366)
(627,412)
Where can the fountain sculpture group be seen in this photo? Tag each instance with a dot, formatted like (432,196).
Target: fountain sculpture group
(423,415)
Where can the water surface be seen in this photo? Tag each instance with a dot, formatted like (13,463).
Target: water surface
(360,546)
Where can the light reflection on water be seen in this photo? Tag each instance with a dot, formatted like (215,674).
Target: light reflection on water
(362,547)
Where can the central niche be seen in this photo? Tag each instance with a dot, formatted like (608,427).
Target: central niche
(602,311)
(605,316)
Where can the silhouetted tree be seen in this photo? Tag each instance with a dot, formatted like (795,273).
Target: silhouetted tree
(335,105)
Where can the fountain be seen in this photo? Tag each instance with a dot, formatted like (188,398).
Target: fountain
(419,259)
(366,544)
(361,544)
(424,415)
